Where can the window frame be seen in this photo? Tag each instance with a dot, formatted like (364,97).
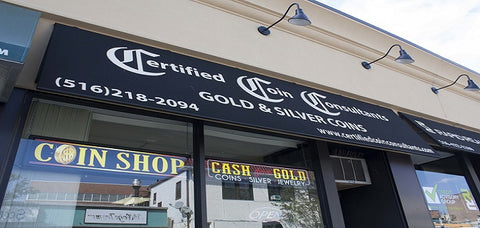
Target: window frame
(197,145)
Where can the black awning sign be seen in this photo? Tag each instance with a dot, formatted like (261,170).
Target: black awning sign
(86,64)
(448,136)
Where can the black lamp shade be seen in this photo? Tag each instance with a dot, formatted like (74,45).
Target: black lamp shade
(472,86)
(404,58)
(300,18)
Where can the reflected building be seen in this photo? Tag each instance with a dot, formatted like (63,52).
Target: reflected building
(81,193)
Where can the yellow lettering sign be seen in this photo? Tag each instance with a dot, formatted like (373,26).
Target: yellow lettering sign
(245,170)
(276,173)
(288,174)
(81,156)
(213,166)
(229,169)
(236,169)
(176,163)
(143,162)
(94,155)
(38,152)
(122,156)
(164,165)
(226,168)
(302,175)
(108,159)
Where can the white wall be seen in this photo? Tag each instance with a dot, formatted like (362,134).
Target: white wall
(165,192)
(325,55)
(238,213)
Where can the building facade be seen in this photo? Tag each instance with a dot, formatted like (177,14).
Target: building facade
(189,114)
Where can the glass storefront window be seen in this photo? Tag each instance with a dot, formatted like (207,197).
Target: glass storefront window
(80,166)
(243,191)
(447,194)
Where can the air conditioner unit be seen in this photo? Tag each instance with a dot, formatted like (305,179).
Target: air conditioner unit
(350,172)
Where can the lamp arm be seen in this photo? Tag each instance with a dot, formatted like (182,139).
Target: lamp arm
(443,87)
(285,14)
(386,53)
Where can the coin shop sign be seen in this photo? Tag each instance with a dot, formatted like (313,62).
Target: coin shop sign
(87,64)
(44,153)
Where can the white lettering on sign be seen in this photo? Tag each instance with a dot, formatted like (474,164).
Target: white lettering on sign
(4,52)
(314,100)
(240,103)
(266,214)
(128,56)
(425,127)
(101,216)
(257,88)
(134,60)
(18,214)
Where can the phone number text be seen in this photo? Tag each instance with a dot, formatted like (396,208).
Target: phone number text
(114,92)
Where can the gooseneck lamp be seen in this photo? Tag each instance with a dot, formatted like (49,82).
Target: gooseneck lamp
(403,58)
(471,86)
(299,19)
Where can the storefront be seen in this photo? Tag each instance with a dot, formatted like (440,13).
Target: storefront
(449,184)
(117,132)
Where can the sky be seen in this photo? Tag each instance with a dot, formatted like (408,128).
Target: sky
(449,28)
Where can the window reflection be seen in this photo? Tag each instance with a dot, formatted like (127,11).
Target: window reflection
(237,191)
(65,176)
(449,199)
(447,193)
(243,192)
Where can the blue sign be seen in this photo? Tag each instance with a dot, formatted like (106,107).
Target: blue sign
(17,26)
(86,64)
(43,153)
(447,136)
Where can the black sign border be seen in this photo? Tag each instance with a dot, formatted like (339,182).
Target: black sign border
(431,129)
(62,34)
